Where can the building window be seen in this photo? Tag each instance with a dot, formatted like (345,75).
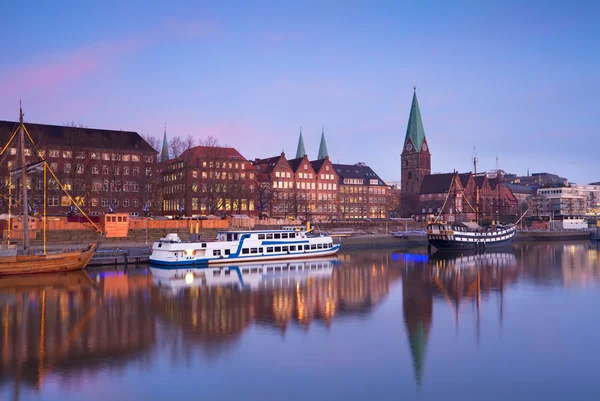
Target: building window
(53,200)
(67,168)
(136,171)
(104,169)
(148,171)
(52,152)
(135,158)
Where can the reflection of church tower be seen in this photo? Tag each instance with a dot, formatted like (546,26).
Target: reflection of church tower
(417,304)
(416,159)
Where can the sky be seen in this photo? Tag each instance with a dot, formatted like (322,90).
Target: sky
(519,83)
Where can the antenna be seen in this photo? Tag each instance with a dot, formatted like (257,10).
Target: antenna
(497,163)
(415,86)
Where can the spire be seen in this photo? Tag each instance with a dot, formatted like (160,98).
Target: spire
(415,130)
(323,146)
(300,152)
(164,154)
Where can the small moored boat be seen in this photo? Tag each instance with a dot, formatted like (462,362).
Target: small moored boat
(242,246)
(469,235)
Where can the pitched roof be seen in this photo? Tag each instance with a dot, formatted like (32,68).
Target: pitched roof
(317,164)
(267,165)
(300,151)
(78,137)
(414,129)
(360,171)
(295,163)
(214,152)
(480,180)
(436,183)
(322,147)
(464,178)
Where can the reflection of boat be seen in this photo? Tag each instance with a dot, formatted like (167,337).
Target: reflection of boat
(13,261)
(243,246)
(245,275)
(71,281)
(461,260)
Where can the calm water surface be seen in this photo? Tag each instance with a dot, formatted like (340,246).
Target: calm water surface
(371,325)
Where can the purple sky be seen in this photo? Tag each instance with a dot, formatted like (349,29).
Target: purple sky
(521,83)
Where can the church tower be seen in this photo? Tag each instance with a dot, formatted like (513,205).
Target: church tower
(415,159)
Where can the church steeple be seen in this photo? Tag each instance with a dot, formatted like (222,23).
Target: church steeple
(164,154)
(300,152)
(415,130)
(323,146)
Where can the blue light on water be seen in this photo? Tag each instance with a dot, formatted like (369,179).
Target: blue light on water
(410,257)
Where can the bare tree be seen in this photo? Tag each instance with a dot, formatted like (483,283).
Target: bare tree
(264,195)
(177,145)
(153,141)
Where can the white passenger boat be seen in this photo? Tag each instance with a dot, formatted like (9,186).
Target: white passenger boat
(244,275)
(242,246)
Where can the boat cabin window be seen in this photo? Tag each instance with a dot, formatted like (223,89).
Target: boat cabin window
(270,249)
(229,237)
(253,250)
(160,244)
(284,235)
(277,249)
(306,247)
(284,248)
(260,250)
(292,235)
(245,251)
(319,246)
(292,248)
(277,236)
(216,252)
(313,246)
(216,273)
(269,269)
(254,270)
(227,272)
(204,245)
(269,236)
(261,236)
(227,251)
(245,271)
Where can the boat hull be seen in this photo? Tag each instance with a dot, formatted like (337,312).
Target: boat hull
(453,245)
(49,263)
(243,259)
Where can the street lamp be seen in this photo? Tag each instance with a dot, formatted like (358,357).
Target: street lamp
(146,209)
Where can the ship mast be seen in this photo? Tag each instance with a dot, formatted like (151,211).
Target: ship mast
(476,187)
(23,183)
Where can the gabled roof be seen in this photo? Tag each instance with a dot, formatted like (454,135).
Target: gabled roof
(317,164)
(464,178)
(414,129)
(360,171)
(480,180)
(267,165)
(295,163)
(436,183)
(77,137)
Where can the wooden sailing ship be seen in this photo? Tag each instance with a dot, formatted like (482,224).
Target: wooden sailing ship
(24,261)
(468,235)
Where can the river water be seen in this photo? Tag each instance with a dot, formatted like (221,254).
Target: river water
(370,325)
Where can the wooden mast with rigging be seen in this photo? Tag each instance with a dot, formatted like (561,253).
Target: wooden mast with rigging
(24,200)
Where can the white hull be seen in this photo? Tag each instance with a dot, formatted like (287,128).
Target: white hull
(242,246)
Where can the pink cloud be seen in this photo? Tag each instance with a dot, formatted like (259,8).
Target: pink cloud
(62,70)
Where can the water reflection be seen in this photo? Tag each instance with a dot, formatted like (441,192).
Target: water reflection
(68,326)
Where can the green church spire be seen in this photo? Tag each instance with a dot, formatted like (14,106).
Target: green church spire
(323,146)
(415,130)
(164,154)
(300,152)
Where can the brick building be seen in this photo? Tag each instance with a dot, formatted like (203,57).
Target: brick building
(454,196)
(103,170)
(208,180)
(362,194)
(415,160)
